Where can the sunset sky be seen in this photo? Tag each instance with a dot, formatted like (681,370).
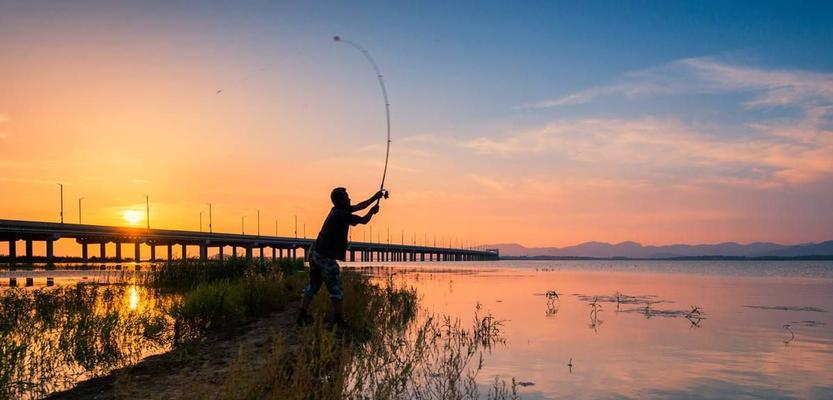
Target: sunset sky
(545,124)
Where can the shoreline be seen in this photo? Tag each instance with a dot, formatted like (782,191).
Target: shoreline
(206,366)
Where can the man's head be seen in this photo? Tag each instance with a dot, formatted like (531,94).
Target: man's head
(340,197)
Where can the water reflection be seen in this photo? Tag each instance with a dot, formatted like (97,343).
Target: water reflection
(617,332)
(51,338)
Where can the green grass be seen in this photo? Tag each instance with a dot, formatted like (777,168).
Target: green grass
(226,303)
(186,274)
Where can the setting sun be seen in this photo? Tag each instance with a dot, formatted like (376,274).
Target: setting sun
(132,217)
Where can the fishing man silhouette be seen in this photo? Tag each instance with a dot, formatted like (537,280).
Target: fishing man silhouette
(330,246)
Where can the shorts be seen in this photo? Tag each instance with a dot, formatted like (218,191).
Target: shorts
(323,270)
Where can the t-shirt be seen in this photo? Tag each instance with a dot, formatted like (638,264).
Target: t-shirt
(332,240)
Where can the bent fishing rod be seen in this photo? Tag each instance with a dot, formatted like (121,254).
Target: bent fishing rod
(381,80)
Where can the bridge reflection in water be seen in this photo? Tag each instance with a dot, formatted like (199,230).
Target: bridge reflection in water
(99,236)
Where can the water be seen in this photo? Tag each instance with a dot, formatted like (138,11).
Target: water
(740,347)
(737,348)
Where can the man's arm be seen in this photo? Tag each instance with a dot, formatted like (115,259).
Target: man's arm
(368,202)
(364,220)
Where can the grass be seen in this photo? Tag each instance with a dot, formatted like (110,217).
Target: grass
(186,274)
(390,352)
(51,337)
(226,303)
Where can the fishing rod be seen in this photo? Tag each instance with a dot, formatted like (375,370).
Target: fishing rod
(381,80)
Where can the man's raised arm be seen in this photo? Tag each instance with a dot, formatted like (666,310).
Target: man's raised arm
(364,220)
(368,202)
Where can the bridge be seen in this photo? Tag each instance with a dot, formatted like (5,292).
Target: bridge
(98,236)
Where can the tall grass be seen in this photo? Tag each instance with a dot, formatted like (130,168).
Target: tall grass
(186,274)
(390,352)
(227,303)
(50,338)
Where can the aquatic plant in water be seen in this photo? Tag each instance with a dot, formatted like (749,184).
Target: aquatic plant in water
(52,337)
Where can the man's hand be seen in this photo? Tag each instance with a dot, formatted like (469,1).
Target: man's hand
(374,210)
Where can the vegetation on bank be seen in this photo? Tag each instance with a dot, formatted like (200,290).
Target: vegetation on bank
(52,337)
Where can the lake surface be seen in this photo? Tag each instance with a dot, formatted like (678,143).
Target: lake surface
(617,329)
(736,347)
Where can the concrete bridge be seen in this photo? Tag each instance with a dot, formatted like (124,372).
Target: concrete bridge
(99,236)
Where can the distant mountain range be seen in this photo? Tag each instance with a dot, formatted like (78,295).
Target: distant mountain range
(636,250)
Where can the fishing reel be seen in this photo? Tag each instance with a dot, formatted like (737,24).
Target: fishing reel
(385,193)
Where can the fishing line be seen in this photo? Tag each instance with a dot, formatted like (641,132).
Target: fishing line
(384,97)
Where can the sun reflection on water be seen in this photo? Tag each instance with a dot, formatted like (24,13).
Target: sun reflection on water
(133,298)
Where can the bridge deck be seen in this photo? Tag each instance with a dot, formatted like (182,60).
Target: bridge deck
(29,231)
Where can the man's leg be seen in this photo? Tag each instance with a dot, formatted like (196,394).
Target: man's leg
(332,278)
(312,288)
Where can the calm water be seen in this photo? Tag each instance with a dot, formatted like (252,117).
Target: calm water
(738,349)
(647,345)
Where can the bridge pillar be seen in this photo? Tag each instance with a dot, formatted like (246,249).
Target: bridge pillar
(294,253)
(102,251)
(203,252)
(248,252)
(12,249)
(152,252)
(170,252)
(220,254)
(50,252)
(422,256)
(260,253)
(352,256)
(118,250)
(84,251)
(184,251)
(234,251)
(28,249)
(274,253)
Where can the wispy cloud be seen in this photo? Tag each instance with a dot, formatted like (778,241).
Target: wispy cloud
(676,150)
(708,75)
(11,179)
(794,148)
(490,183)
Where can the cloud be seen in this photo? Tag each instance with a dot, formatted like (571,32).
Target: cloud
(670,150)
(708,75)
(794,148)
(490,183)
(11,179)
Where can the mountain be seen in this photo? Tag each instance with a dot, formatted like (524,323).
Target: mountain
(637,250)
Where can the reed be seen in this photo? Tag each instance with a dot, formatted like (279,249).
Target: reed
(405,355)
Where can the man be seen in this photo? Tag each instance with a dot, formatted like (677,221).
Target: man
(331,245)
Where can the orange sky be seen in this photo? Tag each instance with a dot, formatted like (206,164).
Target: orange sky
(115,110)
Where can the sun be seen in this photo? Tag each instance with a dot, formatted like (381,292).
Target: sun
(132,217)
